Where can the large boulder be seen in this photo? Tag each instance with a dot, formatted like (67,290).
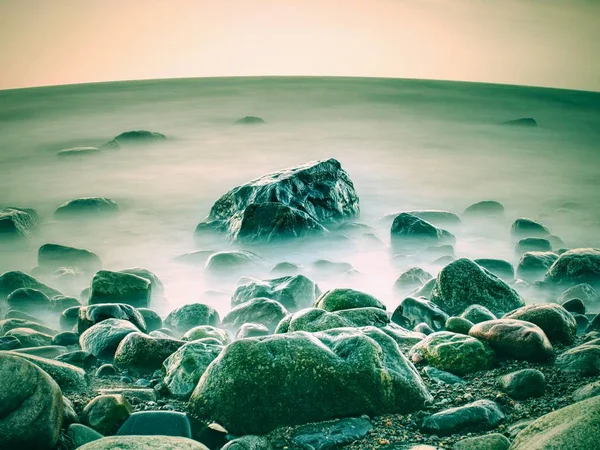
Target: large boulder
(119,287)
(93,314)
(13,280)
(144,443)
(303,377)
(514,339)
(463,283)
(140,353)
(54,256)
(343,298)
(574,426)
(293,292)
(189,316)
(264,311)
(155,283)
(86,206)
(319,192)
(409,231)
(413,311)
(184,368)
(102,339)
(557,323)
(453,352)
(31,406)
(15,222)
(315,319)
(580,265)
(533,265)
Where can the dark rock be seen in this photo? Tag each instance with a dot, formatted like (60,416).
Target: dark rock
(528,228)
(132,138)
(190,316)
(352,367)
(410,231)
(93,314)
(66,338)
(580,265)
(151,319)
(10,324)
(250,120)
(11,281)
(453,352)
(96,206)
(68,318)
(463,283)
(258,310)
(458,325)
(413,311)
(477,416)
(102,339)
(486,208)
(28,300)
(594,324)
(332,435)
(252,330)
(556,322)
(499,267)
(293,292)
(59,303)
(423,328)
(30,338)
(16,314)
(343,298)
(119,287)
(31,406)
(106,370)
(523,122)
(515,339)
(411,279)
(314,319)
(141,353)
(533,265)
(231,263)
(533,244)
(162,423)
(494,441)
(523,384)
(584,292)
(9,343)
(106,413)
(17,222)
(574,306)
(155,283)
(441,376)
(53,256)
(80,435)
(583,360)
(477,314)
(78,358)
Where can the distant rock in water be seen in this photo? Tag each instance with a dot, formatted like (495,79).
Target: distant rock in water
(137,137)
(291,202)
(522,122)
(78,151)
(17,221)
(433,216)
(524,227)
(486,208)
(86,205)
(250,120)
(54,256)
(579,265)
(409,230)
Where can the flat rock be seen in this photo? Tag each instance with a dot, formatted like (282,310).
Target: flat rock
(477,416)
(86,206)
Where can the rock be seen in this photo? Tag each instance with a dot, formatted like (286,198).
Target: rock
(144,443)
(574,426)
(477,416)
(494,441)
(556,322)
(588,391)
(230,263)
(155,283)
(522,122)
(574,306)
(68,377)
(78,151)
(594,324)
(54,256)
(332,435)
(59,303)
(30,338)
(10,324)
(161,423)
(453,352)
(85,206)
(137,137)
(413,311)
(528,228)
(258,310)
(80,435)
(44,351)
(28,300)
(477,314)
(207,332)
(151,319)
(16,314)
(102,339)
(135,395)
(533,244)
(463,283)
(586,293)
(252,330)
(436,217)
(583,360)
(423,328)
(486,208)
(94,314)
(580,265)
(365,369)
(248,443)
(499,267)
(106,413)
(68,318)
(195,258)
(31,406)
(314,319)
(78,358)
(293,292)
(106,370)
(533,265)
(119,287)
(441,376)
(11,281)
(514,339)
(523,384)
(342,298)
(250,120)
(410,231)
(9,343)
(190,316)
(458,325)
(16,222)
(331,268)
(411,279)
(285,268)
(141,353)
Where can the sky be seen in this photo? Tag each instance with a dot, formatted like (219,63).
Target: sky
(552,43)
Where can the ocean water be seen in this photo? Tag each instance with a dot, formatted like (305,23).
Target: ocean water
(406,144)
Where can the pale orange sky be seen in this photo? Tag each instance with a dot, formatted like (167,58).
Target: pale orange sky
(532,42)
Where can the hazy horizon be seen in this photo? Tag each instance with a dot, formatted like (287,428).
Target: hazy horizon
(530,43)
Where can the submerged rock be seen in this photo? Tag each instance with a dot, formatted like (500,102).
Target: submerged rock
(13,280)
(409,230)
(524,227)
(583,292)
(137,137)
(533,244)
(534,265)
(522,122)
(410,279)
(580,265)
(311,195)
(28,299)
(293,292)
(486,208)
(463,283)
(233,262)
(260,310)
(78,151)
(499,267)
(17,221)
(54,256)
(360,372)
(86,206)
(192,315)
(250,120)
(119,287)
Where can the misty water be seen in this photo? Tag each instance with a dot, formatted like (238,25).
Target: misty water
(406,144)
